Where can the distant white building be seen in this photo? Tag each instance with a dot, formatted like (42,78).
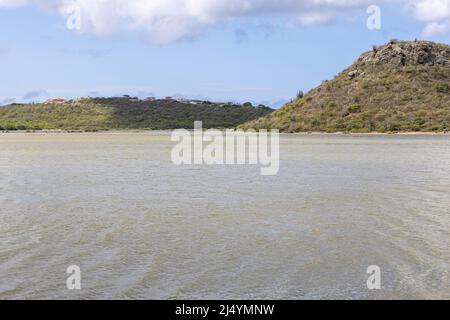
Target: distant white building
(56,101)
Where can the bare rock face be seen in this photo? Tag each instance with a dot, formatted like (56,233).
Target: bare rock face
(408,53)
(353,74)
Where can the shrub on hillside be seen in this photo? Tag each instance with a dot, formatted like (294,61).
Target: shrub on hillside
(354,108)
(442,87)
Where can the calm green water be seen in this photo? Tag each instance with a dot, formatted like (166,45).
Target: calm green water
(140,227)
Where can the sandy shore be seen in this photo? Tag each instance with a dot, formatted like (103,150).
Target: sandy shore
(170,131)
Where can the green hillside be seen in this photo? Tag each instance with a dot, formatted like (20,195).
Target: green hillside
(92,114)
(398,87)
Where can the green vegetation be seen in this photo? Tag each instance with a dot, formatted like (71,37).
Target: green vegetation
(398,87)
(94,114)
(442,87)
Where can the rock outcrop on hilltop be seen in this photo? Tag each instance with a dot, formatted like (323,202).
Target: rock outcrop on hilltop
(408,53)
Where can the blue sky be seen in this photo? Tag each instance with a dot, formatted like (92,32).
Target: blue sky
(262,57)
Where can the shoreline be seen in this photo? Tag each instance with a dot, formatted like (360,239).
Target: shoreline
(169,131)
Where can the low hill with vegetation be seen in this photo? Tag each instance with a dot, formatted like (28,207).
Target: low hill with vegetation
(94,114)
(398,87)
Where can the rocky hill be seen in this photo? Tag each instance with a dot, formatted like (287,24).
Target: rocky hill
(93,114)
(398,87)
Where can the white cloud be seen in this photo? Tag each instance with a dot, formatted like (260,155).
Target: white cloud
(436,28)
(12,3)
(171,20)
(436,13)
(315,18)
(166,21)
(431,10)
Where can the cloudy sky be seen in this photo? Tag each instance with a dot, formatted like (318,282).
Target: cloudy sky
(246,50)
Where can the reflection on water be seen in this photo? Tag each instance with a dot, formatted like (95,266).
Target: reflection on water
(140,227)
